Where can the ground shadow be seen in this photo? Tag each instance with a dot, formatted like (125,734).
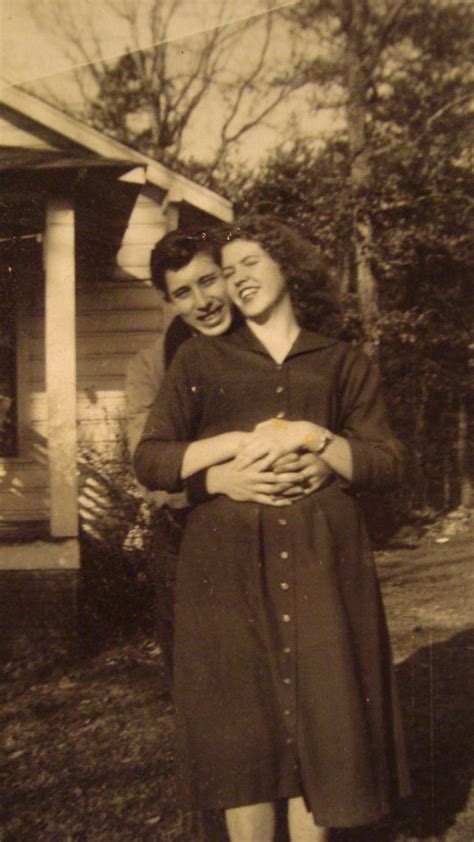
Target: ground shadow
(438,710)
(436,687)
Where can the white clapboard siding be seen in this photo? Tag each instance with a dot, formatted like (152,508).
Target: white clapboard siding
(143,233)
(111,321)
(100,415)
(118,297)
(147,222)
(105,365)
(90,406)
(111,296)
(148,213)
(118,343)
(124,274)
(134,254)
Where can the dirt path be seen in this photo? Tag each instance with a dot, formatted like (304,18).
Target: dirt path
(88,754)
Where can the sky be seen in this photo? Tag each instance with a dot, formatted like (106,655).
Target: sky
(28,54)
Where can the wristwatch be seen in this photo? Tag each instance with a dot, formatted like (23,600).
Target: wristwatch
(326,438)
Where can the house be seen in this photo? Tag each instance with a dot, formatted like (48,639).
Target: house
(80,213)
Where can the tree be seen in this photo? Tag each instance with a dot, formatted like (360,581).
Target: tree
(373,48)
(216,84)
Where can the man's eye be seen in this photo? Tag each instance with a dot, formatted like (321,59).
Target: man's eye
(181,293)
(207,282)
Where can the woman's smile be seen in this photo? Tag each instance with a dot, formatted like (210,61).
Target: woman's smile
(247,292)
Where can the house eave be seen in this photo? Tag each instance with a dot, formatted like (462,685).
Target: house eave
(56,121)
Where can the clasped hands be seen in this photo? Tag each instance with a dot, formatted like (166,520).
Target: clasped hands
(274,465)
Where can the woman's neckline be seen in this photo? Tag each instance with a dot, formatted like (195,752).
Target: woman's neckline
(277,351)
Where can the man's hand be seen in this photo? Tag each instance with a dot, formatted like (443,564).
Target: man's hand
(292,476)
(250,484)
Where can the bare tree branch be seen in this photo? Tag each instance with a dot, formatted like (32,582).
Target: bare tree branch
(171,81)
(384,34)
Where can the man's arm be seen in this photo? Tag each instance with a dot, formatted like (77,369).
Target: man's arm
(145,373)
(144,376)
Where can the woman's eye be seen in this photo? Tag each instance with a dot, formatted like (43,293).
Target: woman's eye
(227,273)
(207,282)
(180,293)
(250,261)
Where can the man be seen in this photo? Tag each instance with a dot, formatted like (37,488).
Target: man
(185,269)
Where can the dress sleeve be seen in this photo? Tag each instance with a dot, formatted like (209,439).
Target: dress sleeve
(171,425)
(378,457)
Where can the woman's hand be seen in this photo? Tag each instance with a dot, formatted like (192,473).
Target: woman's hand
(276,438)
(308,470)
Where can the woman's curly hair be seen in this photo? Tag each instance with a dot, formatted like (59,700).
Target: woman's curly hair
(310,282)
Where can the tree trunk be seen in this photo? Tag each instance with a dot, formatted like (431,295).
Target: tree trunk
(462,458)
(344,273)
(361,173)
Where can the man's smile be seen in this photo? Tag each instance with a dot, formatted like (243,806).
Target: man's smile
(212,317)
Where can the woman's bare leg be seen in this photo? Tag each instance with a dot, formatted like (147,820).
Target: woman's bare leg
(253,823)
(301,825)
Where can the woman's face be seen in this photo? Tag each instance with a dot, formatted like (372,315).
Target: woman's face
(255,282)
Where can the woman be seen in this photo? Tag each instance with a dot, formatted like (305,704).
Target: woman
(283,682)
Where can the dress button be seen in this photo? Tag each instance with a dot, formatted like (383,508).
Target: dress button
(287,681)
(286,650)
(279,389)
(287,712)
(282,521)
(281,414)
(288,741)
(286,618)
(284,586)
(284,554)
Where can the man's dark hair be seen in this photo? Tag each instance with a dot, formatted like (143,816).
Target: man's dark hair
(175,250)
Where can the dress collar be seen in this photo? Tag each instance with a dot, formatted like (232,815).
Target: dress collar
(305,342)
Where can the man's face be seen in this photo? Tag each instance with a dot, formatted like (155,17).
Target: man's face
(198,294)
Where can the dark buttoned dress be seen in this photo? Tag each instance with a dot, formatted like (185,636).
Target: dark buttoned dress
(283,681)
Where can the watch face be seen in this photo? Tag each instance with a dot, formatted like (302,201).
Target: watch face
(327,437)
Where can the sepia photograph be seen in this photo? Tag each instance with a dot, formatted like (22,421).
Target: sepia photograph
(236,432)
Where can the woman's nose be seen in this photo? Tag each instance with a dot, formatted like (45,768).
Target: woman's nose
(240,276)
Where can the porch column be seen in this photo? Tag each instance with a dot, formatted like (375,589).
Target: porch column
(60,352)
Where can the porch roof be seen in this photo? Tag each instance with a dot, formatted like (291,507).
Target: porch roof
(51,169)
(81,136)
(13,158)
